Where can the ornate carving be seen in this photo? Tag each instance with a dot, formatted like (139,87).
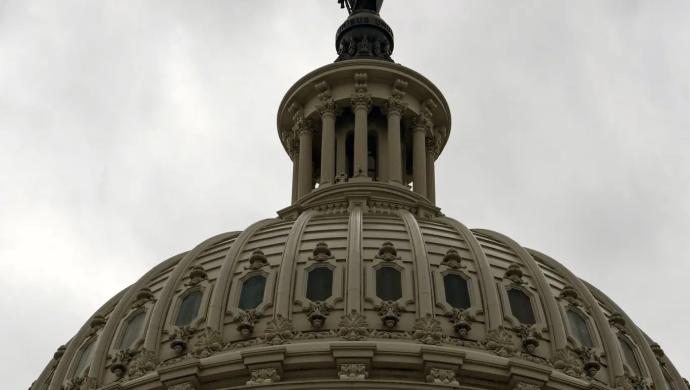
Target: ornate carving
(321,252)
(390,313)
(327,105)
(526,386)
(452,259)
(97,322)
(181,386)
(144,296)
(263,376)
(461,320)
(180,338)
(279,331)
(530,338)
(317,312)
(568,362)
(353,372)
(59,353)
(257,260)
(514,274)
(247,320)
(301,124)
(197,274)
(353,326)
(629,382)
(209,343)
(440,376)
(388,252)
(570,295)
(143,363)
(120,361)
(500,341)
(659,353)
(395,103)
(618,321)
(428,330)
(80,383)
(687,384)
(361,98)
(591,360)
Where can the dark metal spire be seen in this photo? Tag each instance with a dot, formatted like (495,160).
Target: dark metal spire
(364,34)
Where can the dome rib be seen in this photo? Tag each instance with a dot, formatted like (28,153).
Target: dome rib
(284,293)
(218,301)
(164,301)
(491,302)
(353,278)
(106,338)
(75,343)
(613,356)
(424,295)
(554,321)
(640,341)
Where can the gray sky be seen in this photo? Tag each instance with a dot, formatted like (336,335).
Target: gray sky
(132,130)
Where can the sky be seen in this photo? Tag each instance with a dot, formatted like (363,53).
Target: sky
(132,130)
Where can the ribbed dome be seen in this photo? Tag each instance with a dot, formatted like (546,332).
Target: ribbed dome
(412,339)
(361,282)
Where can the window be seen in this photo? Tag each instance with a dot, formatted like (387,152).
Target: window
(578,325)
(388,286)
(319,284)
(629,356)
(132,330)
(84,360)
(457,294)
(252,292)
(188,309)
(521,306)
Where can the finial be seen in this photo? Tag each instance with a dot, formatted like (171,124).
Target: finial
(354,6)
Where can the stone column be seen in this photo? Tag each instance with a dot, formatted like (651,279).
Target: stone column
(395,108)
(305,163)
(295,175)
(327,143)
(341,153)
(430,170)
(381,155)
(361,103)
(419,158)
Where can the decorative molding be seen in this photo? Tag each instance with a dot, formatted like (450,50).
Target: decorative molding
(317,313)
(395,103)
(263,376)
(658,353)
(591,360)
(209,343)
(461,320)
(353,372)
(526,386)
(387,252)
(427,330)
(500,341)
(279,330)
(444,377)
(321,253)
(453,260)
(179,339)
(257,260)
(327,105)
(389,311)
(142,364)
(353,326)
(97,322)
(144,296)
(361,97)
(629,382)
(120,362)
(530,337)
(514,274)
(568,362)
(182,386)
(80,383)
(197,274)
(618,321)
(247,320)
(59,353)
(570,295)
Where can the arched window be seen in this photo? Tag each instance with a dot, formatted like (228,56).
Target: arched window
(629,356)
(252,292)
(457,293)
(84,360)
(132,330)
(388,286)
(319,284)
(578,325)
(521,306)
(189,308)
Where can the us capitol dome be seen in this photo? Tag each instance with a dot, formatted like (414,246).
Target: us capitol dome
(362,282)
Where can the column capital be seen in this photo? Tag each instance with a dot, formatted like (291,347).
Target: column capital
(327,105)
(361,98)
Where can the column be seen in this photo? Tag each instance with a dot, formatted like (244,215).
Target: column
(361,109)
(295,174)
(430,172)
(327,143)
(382,155)
(305,164)
(419,159)
(394,147)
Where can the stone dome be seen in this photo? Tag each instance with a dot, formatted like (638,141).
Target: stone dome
(361,282)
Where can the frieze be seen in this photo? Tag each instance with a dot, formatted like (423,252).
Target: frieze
(352,372)
(263,376)
(181,386)
(526,386)
(444,377)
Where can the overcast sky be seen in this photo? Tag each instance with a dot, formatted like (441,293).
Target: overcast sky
(131,130)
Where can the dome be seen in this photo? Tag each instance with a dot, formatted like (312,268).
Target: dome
(362,282)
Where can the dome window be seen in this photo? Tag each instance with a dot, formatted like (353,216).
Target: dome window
(189,308)
(457,293)
(132,330)
(319,284)
(84,360)
(521,306)
(629,356)
(252,292)
(388,285)
(579,328)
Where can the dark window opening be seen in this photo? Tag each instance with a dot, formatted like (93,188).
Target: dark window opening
(252,292)
(84,360)
(521,306)
(132,330)
(189,308)
(580,328)
(319,284)
(388,285)
(372,156)
(629,356)
(457,293)
(350,153)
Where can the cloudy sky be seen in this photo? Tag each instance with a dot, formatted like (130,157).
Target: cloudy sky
(131,130)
